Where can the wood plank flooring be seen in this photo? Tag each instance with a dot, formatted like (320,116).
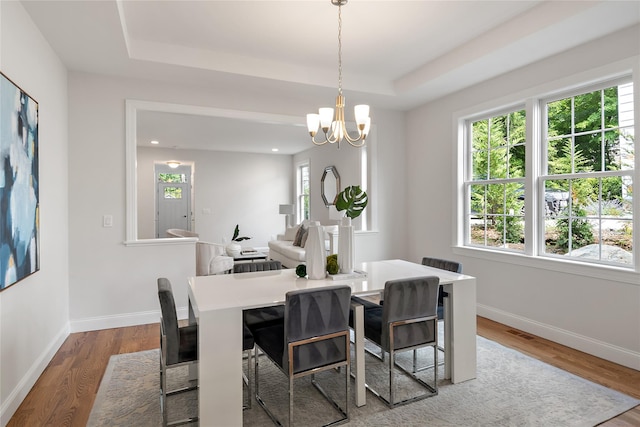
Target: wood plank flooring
(64,393)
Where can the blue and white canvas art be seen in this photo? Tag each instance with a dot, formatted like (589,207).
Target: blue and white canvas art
(19,182)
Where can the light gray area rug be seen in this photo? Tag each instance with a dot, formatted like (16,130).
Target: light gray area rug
(511,389)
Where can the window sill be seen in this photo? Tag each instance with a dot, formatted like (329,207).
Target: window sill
(611,273)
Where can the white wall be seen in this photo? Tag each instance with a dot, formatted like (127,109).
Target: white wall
(115,285)
(34,312)
(598,316)
(235,188)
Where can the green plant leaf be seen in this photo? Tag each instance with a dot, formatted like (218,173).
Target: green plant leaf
(352,199)
(235,237)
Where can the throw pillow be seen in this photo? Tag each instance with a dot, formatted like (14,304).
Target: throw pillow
(290,232)
(298,238)
(303,242)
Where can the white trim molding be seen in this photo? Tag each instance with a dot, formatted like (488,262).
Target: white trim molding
(622,356)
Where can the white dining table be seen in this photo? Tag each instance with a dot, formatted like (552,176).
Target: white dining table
(217,302)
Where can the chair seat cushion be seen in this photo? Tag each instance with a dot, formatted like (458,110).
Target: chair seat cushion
(188,350)
(261,317)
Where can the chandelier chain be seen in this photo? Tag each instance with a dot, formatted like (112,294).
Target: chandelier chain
(340,48)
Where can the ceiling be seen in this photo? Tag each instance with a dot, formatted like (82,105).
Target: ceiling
(396,54)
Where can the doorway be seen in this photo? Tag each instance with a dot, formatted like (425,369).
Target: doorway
(173,198)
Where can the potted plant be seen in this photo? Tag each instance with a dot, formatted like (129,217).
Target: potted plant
(352,200)
(233,248)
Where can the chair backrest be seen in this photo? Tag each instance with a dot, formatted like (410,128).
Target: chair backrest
(442,264)
(169,320)
(248,267)
(407,299)
(314,312)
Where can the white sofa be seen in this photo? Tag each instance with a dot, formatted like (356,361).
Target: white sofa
(291,256)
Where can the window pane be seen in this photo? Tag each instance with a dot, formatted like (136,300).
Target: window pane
(498,163)
(588,111)
(559,117)
(477,200)
(498,131)
(517,127)
(173,193)
(588,153)
(517,161)
(612,153)
(480,136)
(477,230)
(172,177)
(559,156)
(585,192)
(480,164)
(495,199)
(556,198)
(612,197)
(611,115)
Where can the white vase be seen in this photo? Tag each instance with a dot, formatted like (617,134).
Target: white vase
(315,252)
(346,252)
(233,249)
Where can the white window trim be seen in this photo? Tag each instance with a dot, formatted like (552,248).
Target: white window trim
(531,97)
(298,194)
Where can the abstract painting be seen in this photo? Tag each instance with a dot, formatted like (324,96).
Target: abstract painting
(19,183)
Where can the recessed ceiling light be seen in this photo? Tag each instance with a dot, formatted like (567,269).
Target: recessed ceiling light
(275,150)
(155,142)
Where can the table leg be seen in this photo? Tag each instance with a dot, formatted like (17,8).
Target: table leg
(358,332)
(461,344)
(447,337)
(193,368)
(220,360)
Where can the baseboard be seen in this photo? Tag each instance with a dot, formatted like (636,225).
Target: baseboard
(17,395)
(121,320)
(583,343)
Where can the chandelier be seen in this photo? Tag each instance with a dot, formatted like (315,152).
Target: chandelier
(333,126)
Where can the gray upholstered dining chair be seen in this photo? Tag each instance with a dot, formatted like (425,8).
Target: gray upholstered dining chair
(442,264)
(406,321)
(314,337)
(178,347)
(256,317)
(250,267)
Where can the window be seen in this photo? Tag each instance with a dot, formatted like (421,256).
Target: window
(496,186)
(303,192)
(579,190)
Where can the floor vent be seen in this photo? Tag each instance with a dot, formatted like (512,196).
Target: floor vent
(520,334)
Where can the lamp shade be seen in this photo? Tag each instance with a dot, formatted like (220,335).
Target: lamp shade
(287,209)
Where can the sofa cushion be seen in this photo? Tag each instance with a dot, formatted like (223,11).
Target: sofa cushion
(286,248)
(290,232)
(298,239)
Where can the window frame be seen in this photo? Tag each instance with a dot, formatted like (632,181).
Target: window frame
(300,195)
(606,76)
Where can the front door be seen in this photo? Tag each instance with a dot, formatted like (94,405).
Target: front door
(173,198)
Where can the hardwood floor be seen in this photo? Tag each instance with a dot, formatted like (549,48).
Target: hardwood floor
(64,393)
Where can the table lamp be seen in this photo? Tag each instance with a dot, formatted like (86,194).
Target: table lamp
(287,210)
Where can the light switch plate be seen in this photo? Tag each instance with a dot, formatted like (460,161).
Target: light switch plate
(107,220)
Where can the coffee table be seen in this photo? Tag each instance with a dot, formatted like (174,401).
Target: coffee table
(250,257)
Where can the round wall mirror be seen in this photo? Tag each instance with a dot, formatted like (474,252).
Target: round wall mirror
(330,185)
